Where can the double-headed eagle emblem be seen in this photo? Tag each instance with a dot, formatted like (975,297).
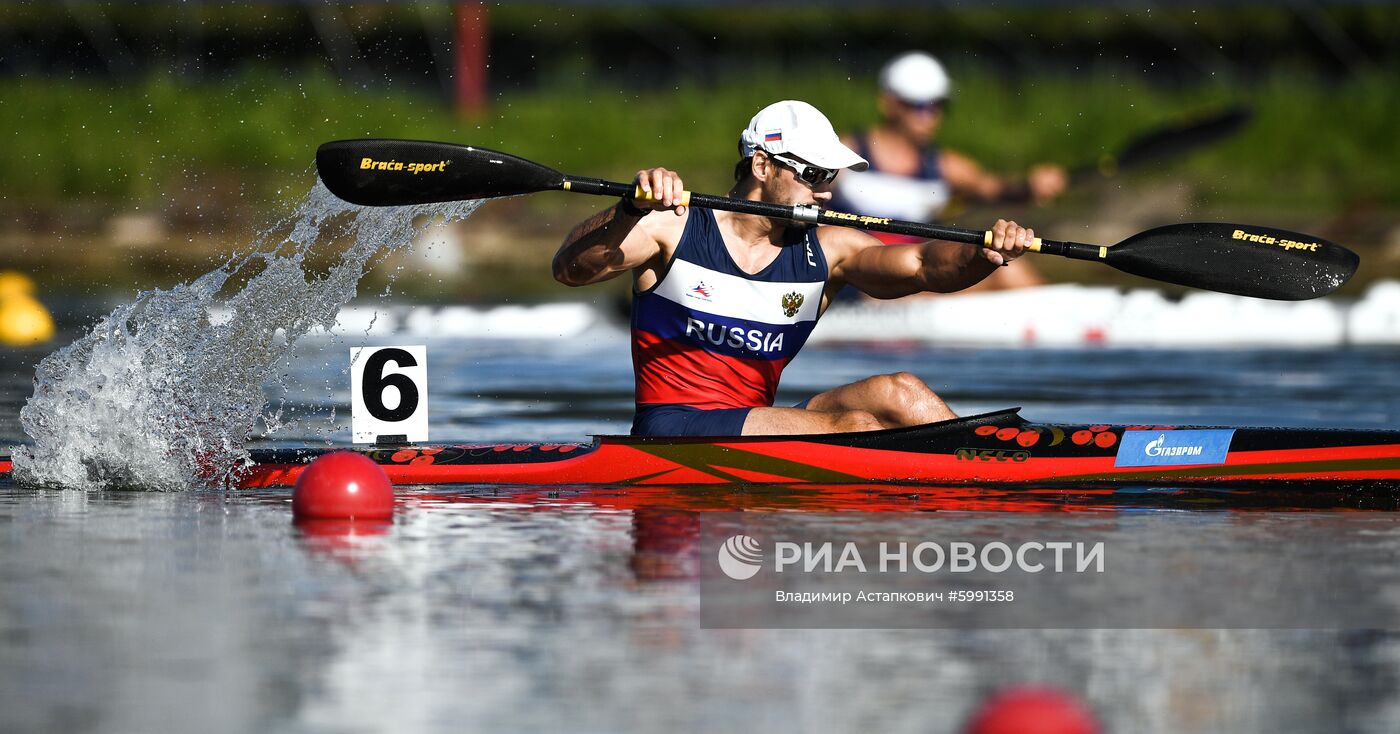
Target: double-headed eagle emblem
(792,302)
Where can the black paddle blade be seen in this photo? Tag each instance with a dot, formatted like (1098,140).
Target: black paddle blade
(1172,140)
(1183,137)
(401,172)
(1235,258)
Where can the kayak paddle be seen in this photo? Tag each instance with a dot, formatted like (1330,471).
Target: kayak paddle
(1171,140)
(1246,260)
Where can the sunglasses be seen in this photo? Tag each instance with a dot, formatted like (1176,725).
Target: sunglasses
(806,172)
(933,106)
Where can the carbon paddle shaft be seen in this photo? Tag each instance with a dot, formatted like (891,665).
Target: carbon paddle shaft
(817,215)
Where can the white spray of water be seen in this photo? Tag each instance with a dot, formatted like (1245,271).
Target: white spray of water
(157,397)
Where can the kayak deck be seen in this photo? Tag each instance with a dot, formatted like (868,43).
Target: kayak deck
(998,448)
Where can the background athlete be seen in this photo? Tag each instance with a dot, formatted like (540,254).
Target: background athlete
(912,178)
(723,301)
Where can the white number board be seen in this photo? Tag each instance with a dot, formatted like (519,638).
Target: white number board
(389,394)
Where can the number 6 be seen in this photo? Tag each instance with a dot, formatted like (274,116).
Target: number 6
(375,382)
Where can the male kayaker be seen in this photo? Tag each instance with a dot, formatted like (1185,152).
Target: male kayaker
(912,178)
(723,301)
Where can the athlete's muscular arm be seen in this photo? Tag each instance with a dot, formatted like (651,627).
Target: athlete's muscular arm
(892,271)
(604,245)
(614,240)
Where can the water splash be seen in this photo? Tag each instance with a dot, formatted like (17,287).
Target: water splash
(157,396)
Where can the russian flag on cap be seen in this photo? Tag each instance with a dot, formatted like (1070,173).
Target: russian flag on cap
(773,136)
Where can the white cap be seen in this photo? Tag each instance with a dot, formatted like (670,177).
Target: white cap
(916,77)
(798,128)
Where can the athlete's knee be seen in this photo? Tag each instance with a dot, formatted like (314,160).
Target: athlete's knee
(907,384)
(857,420)
(909,400)
(904,389)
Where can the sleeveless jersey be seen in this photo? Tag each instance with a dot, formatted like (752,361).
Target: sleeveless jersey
(708,335)
(920,198)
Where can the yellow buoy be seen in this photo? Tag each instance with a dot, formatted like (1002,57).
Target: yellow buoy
(13,283)
(24,321)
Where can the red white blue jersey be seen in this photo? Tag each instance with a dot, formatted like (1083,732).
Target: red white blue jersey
(708,335)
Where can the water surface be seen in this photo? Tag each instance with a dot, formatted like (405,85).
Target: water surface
(577,610)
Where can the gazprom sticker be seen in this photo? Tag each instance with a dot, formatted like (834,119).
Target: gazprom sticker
(1168,448)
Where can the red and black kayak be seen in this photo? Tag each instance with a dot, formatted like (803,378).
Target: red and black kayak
(999,448)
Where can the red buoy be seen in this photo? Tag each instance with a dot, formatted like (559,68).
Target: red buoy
(1033,710)
(343,485)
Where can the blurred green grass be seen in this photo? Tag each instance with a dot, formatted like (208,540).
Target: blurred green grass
(1314,143)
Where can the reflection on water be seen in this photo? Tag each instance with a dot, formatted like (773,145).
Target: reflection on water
(498,612)
(576,609)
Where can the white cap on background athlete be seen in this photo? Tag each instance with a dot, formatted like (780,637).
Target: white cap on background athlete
(802,130)
(916,77)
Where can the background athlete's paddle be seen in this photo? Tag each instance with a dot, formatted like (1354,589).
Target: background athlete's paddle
(1171,140)
(1231,258)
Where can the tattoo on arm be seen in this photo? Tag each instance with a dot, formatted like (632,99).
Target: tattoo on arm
(952,267)
(593,247)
